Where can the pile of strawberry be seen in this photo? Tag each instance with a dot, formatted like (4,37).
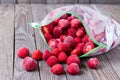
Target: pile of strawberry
(68,40)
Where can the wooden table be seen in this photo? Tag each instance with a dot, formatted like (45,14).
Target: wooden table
(15,33)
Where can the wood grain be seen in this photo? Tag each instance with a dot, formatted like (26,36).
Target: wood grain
(105,1)
(37,1)
(24,36)
(45,72)
(23,1)
(84,1)
(7,1)
(7,41)
(61,1)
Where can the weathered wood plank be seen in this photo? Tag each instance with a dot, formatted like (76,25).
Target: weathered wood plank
(7,41)
(113,56)
(23,1)
(24,36)
(37,1)
(106,1)
(61,1)
(7,1)
(44,68)
(84,1)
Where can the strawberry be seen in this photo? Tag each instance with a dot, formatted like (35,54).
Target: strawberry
(77,40)
(55,52)
(86,39)
(57,31)
(63,46)
(53,43)
(72,32)
(57,69)
(93,63)
(62,57)
(73,69)
(64,24)
(52,60)
(37,55)
(80,33)
(88,46)
(56,20)
(48,36)
(46,55)
(75,23)
(73,59)
(23,52)
(77,51)
(65,16)
(29,64)
(62,37)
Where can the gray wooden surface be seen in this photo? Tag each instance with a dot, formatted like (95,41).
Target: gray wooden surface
(62,1)
(15,32)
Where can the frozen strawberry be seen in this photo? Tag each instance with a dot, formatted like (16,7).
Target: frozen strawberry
(57,69)
(77,51)
(52,60)
(56,21)
(70,41)
(72,32)
(48,36)
(57,31)
(46,55)
(73,59)
(45,30)
(62,37)
(80,33)
(93,63)
(82,28)
(86,39)
(75,23)
(88,46)
(37,55)
(29,64)
(53,43)
(77,40)
(50,27)
(73,69)
(64,24)
(55,52)
(71,18)
(65,16)
(63,46)
(23,52)
(58,40)
(62,57)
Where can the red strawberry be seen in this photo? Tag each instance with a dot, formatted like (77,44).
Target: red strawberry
(86,39)
(64,24)
(23,52)
(80,33)
(72,32)
(62,37)
(53,43)
(71,18)
(75,23)
(50,27)
(62,57)
(56,21)
(48,36)
(69,40)
(52,60)
(65,16)
(93,63)
(55,52)
(45,30)
(77,51)
(37,55)
(46,55)
(73,69)
(77,40)
(57,31)
(80,46)
(29,64)
(63,46)
(57,69)
(88,46)
(73,59)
